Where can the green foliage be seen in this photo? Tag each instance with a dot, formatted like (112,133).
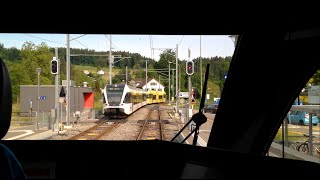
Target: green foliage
(316,78)
(140,73)
(9,54)
(22,64)
(18,76)
(163,64)
(292,136)
(37,57)
(103,61)
(218,67)
(120,77)
(213,89)
(78,76)
(22,67)
(165,57)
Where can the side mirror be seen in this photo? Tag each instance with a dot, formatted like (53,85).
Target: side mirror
(5,100)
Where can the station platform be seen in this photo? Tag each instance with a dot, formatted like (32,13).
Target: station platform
(204,131)
(31,132)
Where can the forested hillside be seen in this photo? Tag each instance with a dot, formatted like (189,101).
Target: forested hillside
(22,63)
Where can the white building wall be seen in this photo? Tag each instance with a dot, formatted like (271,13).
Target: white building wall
(154,85)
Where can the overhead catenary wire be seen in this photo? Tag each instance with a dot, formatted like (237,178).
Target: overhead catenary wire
(44,39)
(77,37)
(81,43)
(181,40)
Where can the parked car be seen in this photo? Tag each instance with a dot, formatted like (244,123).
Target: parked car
(212,107)
(302,118)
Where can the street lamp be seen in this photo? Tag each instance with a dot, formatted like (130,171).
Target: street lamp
(169,81)
(38,70)
(147,75)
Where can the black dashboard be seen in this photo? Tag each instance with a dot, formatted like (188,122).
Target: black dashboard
(146,159)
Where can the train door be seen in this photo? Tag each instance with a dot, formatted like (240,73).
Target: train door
(154,98)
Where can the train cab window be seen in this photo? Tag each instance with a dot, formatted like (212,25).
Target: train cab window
(28,59)
(128,98)
(103,99)
(114,93)
(123,98)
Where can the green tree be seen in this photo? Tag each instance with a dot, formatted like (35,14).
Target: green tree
(3,52)
(163,64)
(316,78)
(32,56)
(37,57)
(10,54)
(213,89)
(78,76)
(13,54)
(18,76)
(140,73)
(165,57)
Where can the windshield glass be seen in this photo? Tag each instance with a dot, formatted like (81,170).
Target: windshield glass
(114,94)
(157,88)
(129,80)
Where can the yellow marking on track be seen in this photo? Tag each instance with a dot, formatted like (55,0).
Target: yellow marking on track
(297,132)
(209,120)
(151,138)
(82,139)
(91,134)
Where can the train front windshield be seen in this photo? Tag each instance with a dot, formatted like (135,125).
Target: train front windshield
(114,94)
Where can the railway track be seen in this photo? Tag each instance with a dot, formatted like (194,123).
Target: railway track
(152,128)
(97,131)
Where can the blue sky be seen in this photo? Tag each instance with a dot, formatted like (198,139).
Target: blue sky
(211,45)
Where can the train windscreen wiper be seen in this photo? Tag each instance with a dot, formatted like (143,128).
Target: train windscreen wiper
(199,118)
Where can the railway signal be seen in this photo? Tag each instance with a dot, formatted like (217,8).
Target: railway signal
(62,92)
(193,102)
(54,66)
(190,68)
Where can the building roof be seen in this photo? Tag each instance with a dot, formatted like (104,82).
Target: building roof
(141,81)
